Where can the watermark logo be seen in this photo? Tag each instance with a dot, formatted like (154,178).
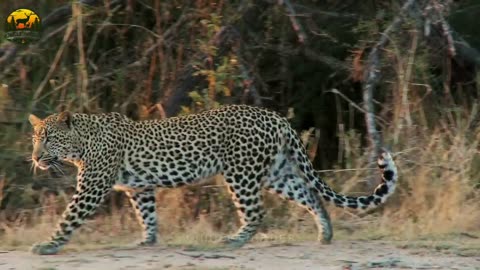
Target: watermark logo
(22,26)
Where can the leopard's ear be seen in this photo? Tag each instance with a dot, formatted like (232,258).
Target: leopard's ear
(65,118)
(34,120)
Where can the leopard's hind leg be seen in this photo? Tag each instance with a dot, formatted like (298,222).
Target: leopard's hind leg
(144,204)
(285,181)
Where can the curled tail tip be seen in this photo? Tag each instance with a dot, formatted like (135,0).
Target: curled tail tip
(385,154)
(381,192)
(384,159)
(389,169)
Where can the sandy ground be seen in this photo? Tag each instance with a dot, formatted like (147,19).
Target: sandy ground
(340,255)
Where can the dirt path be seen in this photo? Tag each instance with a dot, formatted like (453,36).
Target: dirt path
(340,255)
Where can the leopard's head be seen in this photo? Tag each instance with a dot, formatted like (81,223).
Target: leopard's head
(54,139)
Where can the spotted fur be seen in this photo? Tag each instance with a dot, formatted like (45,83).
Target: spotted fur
(254,149)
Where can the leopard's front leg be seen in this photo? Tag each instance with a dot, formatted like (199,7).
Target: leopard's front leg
(92,187)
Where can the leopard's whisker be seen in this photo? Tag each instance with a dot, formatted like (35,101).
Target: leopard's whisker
(57,167)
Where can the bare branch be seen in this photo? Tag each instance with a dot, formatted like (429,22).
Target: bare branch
(354,105)
(330,61)
(433,12)
(63,13)
(148,52)
(249,84)
(54,65)
(293,20)
(371,79)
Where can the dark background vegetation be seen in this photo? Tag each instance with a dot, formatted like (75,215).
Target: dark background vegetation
(307,60)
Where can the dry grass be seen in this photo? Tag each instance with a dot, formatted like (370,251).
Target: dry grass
(462,245)
(438,193)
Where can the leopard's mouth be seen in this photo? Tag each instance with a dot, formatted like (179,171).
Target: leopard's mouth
(45,164)
(42,165)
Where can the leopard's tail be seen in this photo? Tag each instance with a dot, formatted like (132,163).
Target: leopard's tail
(380,194)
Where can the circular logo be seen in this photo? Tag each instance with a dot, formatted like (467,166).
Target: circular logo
(23,26)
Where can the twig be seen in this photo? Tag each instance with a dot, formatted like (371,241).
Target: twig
(249,84)
(161,111)
(293,20)
(318,12)
(335,91)
(53,33)
(332,62)
(63,13)
(218,256)
(56,88)
(106,22)
(413,162)
(190,255)
(146,55)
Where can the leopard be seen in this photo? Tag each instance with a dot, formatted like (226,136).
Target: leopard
(254,149)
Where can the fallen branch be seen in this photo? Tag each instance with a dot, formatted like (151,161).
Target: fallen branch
(206,256)
(218,256)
